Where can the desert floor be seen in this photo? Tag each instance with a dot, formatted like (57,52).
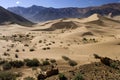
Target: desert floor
(47,41)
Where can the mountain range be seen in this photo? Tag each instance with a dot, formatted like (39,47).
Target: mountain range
(39,13)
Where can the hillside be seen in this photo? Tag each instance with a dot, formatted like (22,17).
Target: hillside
(7,17)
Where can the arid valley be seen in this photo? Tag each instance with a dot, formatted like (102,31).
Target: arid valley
(66,46)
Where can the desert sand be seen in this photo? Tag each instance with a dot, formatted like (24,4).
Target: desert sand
(75,38)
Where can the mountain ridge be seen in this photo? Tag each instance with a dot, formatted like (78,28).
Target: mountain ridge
(39,13)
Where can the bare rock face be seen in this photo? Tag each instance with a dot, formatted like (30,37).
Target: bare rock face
(52,72)
(48,73)
(41,77)
(109,62)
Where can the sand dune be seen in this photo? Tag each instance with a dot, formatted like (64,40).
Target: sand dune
(75,38)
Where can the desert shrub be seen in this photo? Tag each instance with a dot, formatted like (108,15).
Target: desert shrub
(44,48)
(16,50)
(46,62)
(32,63)
(29,78)
(32,49)
(68,44)
(94,40)
(16,56)
(62,77)
(2,62)
(26,45)
(118,44)
(6,54)
(7,66)
(47,59)
(106,61)
(96,56)
(17,64)
(72,63)
(66,58)
(40,41)
(7,76)
(78,77)
(113,65)
(23,49)
(48,48)
(52,60)
(49,44)
(53,42)
(27,35)
(26,60)
(43,68)
(8,49)
(3,36)
(84,39)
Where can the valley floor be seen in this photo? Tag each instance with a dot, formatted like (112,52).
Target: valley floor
(78,44)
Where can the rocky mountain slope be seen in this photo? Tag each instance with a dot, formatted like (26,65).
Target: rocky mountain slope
(39,13)
(7,17)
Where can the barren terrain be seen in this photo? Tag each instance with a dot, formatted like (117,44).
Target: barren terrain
(75,38)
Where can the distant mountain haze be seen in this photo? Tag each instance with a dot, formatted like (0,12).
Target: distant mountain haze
(39,13)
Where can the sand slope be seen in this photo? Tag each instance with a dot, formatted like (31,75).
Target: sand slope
(79,43)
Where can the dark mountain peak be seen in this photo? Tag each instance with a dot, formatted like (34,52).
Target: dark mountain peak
(112,4)
(6,16)
(36,7)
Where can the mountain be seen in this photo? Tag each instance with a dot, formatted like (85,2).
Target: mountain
(11,18)
(39,13)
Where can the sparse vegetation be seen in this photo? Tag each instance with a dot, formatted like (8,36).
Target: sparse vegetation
(96,56)
(16,55)
(72,63)
(16,64)
(44,48)
(52,60)
(23,50)
(6,54)
(48,48)
(7,66)
(84,39)
(89,40)
(32,49)
(7,75)
(29,78)
(45,62)
(62,77)
(78,76)
(66,58)
(16,50)
(32,63)
(2,62)
(40,41)
(8,50)
(26,45)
